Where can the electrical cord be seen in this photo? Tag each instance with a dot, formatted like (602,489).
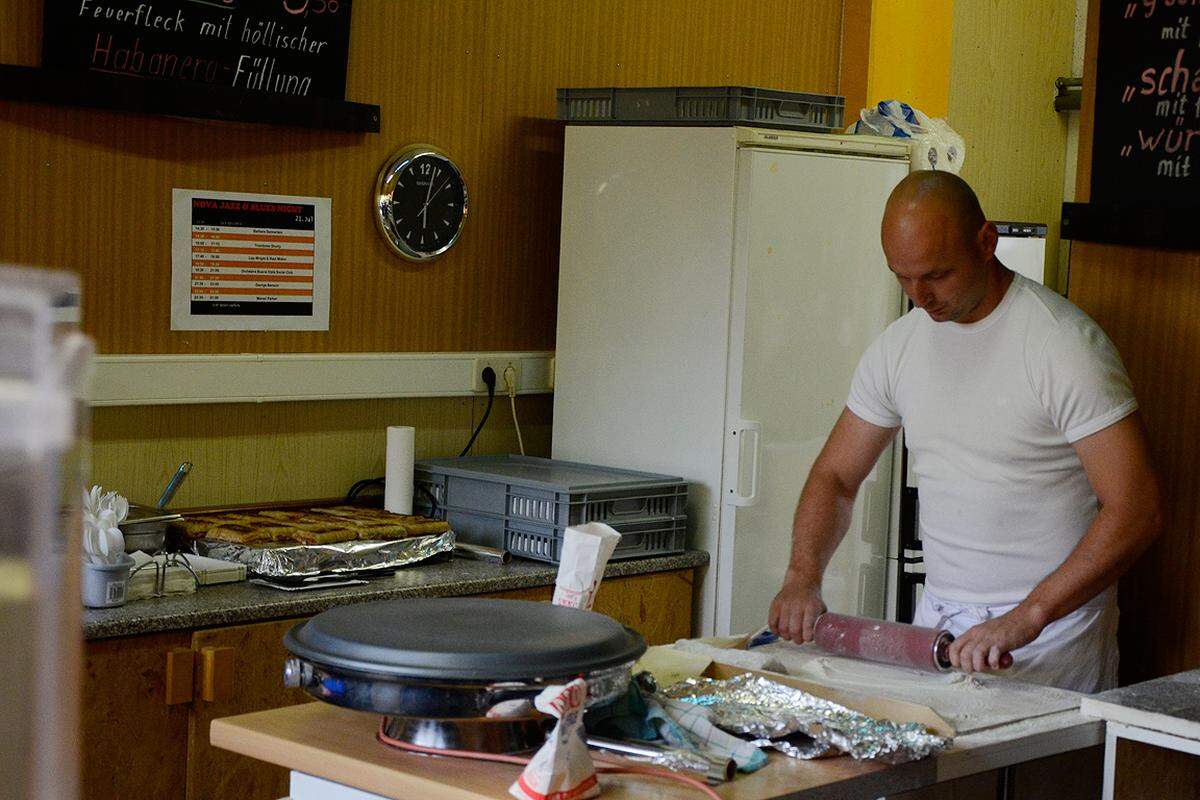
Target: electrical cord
(604,767)
(510,384)
(512,401)
(360,486)
(489,379)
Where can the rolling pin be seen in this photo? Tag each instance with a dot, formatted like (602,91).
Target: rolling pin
(887,642)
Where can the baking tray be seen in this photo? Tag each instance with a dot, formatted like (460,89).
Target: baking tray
(341,558)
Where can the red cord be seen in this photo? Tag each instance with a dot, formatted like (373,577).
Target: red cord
(607,768)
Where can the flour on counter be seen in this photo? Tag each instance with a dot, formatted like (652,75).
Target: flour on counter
(968,702)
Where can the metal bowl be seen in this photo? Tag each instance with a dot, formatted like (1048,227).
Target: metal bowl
(478,735)
(145,528)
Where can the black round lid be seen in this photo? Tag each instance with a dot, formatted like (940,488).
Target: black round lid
(464,638)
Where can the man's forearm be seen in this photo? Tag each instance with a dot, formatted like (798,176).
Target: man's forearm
(1112,543)
(821,520)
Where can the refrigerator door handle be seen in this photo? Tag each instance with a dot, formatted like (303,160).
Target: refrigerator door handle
(743,435)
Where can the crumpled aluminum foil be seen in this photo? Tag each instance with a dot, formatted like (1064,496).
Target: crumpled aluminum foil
(341,558)
(686,761)
(608,684)
(798,745)
(679,760)
(768,711)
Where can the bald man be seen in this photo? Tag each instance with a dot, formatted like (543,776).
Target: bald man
(1036,490)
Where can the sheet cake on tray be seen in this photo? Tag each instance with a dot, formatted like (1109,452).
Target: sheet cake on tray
(337,540)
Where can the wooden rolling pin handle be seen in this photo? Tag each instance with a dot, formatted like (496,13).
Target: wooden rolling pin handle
(216,674)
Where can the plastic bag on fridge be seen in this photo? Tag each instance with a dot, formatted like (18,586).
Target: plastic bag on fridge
(935,144)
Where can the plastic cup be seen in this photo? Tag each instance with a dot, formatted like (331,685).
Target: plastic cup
(105,585)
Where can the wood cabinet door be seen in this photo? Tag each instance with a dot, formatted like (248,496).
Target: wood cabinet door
(134,744)
(255,683)
(658,605)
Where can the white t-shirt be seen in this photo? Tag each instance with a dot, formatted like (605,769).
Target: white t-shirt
(990,410)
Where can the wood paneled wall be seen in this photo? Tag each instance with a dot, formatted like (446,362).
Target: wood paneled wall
(258,453)
(1004,59)
(90,191)
(1148,301)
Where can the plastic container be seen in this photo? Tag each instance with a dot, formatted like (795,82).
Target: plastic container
(556,493)
(638,539)
(106,585)
(544,542)
(703,105)
(524,504)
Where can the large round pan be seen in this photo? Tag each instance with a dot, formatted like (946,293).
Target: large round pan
(456,657)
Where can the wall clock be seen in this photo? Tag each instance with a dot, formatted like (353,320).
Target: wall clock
(420,202)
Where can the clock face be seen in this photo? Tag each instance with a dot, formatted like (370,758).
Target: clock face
(421,203)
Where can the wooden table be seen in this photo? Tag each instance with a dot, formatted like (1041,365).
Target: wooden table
(1152,737)
(339,745)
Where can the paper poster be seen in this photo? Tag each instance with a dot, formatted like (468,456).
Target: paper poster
(255,262)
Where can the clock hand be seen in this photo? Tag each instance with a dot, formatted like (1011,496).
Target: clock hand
(435,194)
(428,195)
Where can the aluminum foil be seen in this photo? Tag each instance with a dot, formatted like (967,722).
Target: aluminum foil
(608,684)
(341,558)
(781,717)
(712,770)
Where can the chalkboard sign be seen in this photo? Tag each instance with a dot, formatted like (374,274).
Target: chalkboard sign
(289,47)
(1147,124)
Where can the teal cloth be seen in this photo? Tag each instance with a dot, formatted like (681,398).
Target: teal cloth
(636,717)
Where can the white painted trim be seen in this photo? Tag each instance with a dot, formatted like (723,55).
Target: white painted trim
(260,378)
(309,787)
(1170,741)
(1122,730)
(1110,763)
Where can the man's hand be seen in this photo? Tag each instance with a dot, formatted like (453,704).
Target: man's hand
(795,609)
(982,648)
(822,518)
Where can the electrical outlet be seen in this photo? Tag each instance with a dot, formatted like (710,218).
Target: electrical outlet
(499,365)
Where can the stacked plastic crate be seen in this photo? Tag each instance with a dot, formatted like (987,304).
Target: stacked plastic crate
(524,504)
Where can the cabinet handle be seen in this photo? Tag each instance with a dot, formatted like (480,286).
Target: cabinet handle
(216,674)
(738,447)
(181,665)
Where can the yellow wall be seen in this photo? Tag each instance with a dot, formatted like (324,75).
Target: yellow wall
(988,69)
(1005,58)
(910,53)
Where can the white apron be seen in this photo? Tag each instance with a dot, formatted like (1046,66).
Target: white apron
(1077,652)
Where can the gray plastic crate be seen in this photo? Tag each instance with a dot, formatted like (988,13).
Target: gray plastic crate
(545,491)
(544,542)
(702,105)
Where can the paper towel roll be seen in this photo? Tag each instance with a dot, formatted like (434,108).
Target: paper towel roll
(398,480)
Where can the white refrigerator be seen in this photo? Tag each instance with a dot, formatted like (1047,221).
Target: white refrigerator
(717,286)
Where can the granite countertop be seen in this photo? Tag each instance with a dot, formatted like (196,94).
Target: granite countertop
(1170,704)
(233,603)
